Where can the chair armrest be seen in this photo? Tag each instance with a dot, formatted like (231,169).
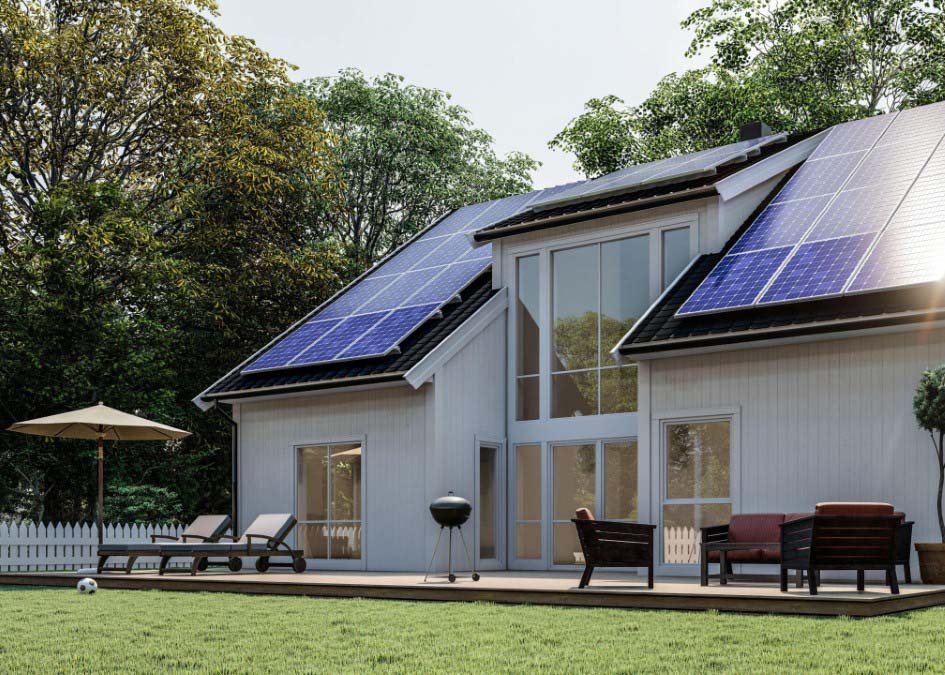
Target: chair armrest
(155,537)
(271,542)
(796,534)
(714,534)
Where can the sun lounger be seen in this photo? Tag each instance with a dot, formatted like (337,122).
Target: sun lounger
(203,529)
(263,540)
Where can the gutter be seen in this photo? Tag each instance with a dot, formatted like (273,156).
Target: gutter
(729,341)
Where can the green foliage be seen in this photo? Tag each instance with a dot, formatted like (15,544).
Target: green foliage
(116,631)
(406,156)
(928,405)
(142,504)
(798,65)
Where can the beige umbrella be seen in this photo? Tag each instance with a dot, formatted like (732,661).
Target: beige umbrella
(99,422)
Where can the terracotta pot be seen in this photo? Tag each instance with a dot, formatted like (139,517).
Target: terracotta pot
(931,563)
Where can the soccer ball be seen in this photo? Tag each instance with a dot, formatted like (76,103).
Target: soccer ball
(87,586)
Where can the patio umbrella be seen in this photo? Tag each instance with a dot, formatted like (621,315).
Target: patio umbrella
(100,423)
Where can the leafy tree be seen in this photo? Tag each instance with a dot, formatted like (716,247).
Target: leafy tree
(157,179)
(799,65)
(406,156)
(928,405)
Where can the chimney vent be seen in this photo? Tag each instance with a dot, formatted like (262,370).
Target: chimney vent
(753,130)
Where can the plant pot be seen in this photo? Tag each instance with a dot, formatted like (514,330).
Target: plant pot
(931,563)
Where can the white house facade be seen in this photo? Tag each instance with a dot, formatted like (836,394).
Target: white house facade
(564,376)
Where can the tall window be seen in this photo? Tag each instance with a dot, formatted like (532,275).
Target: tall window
(698,489)
(329,501)
(675,254)
(598,292)
(528,339)
(489,487)
(578,470)
(528,502)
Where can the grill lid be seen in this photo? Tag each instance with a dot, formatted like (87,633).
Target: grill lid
(450,511)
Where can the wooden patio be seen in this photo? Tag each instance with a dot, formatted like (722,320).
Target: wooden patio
(756,595)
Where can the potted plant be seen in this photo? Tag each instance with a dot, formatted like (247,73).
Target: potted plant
(929,408)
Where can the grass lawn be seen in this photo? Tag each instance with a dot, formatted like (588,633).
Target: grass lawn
(56,630)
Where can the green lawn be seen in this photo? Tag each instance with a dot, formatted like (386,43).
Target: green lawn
(56,630)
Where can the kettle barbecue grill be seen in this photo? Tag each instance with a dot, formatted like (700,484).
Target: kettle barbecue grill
(449,512)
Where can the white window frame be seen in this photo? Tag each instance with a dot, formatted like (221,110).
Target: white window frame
(501,508)
(333,563)
(661,420)
(693,249)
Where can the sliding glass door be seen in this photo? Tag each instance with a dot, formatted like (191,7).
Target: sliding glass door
(329,496)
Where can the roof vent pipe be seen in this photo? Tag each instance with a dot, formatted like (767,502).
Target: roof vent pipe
(752,130)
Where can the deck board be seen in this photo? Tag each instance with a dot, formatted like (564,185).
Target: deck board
(606,590)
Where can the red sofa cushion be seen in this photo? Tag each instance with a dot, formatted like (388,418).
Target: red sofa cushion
(854,509)
(583,514)
(755,527)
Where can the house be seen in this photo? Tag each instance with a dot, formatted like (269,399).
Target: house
(735,330)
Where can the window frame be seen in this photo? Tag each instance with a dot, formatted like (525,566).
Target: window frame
(330,563)
(661,421)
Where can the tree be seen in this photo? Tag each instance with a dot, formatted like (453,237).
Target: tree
(406,156)
(928,405)
(157,180)
(798,65)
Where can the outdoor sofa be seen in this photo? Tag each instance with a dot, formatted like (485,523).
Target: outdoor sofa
(755,538)
(263,540)
(608,543)
(206,528)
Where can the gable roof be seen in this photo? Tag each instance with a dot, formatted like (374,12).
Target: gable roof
(646,196)
(660,330)
(390,368)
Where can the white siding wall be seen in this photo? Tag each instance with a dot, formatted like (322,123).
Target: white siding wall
(392,420)
(821,421)
(419,444)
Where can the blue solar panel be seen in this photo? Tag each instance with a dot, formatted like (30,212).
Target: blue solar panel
(373,315)
(298,340)
(852,136)
(736,281)
(386,334)
(696,163)
(817,269)
(820,177)
(884,221)
(781,224)
(337,340)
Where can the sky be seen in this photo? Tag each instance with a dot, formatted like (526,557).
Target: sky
(523,68)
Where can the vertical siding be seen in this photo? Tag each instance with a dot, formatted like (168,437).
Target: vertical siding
(820,421)
(393,420)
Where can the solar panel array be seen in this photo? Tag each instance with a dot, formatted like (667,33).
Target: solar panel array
(672,168)
(374,315)
(865,212)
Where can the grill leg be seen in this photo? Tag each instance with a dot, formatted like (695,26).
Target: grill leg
(449,560)
(472,564)
(436,547)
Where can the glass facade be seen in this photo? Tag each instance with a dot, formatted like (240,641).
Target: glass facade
(328,498)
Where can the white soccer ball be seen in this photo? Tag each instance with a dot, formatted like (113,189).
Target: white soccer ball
(87,586)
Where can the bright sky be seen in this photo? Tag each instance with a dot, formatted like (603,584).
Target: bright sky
(523,68)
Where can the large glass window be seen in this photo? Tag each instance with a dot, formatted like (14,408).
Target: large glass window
(528,338)
(528,502)
(698,487)
(329,501)
(675,254)
(598,293)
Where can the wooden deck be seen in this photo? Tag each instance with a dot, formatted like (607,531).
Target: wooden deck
(606,590)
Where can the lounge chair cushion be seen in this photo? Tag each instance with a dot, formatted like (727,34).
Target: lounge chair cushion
(121,549)
(584,514)
(220,549)
(753,527)
(275,525)
(209,526)
(854,509)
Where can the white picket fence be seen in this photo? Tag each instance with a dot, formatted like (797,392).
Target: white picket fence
(48,547)
(681,545)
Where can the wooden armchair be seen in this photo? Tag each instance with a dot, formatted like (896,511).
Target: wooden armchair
(608,543)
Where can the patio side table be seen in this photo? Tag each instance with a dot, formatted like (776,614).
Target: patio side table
(723,548)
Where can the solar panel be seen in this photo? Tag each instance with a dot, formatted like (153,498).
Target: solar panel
(373,316)
(696,163)
(865,212)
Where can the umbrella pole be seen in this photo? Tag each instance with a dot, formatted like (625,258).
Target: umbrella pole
(101,485)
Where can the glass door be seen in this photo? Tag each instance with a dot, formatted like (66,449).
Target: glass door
(527,540)
(329,495)
(490,507)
